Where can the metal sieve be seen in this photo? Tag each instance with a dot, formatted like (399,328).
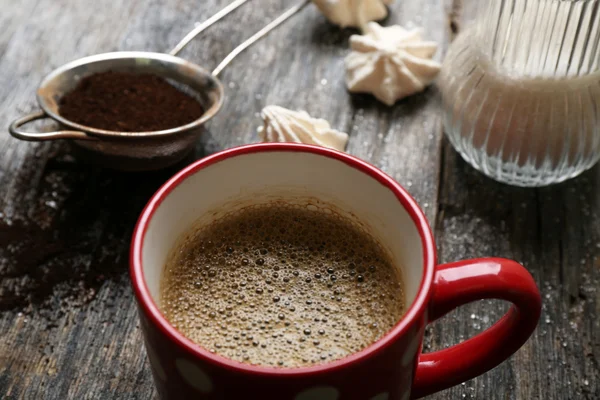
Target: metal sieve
(138,151)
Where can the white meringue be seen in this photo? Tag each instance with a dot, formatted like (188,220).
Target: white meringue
(354,13)
(283,125)
(390,63)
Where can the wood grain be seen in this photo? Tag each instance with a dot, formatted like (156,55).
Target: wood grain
(68,324)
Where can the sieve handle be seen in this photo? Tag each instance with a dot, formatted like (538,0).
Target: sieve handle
(259,35)
(41,136)
(200,28)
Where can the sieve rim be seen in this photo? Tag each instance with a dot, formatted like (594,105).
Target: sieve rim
(140,58)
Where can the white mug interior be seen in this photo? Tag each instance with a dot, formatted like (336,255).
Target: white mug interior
(253,177)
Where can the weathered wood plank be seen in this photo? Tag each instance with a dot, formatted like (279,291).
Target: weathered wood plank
(68,322)
(404,140)
(554,232)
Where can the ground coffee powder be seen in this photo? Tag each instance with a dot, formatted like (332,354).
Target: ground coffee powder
(127,102)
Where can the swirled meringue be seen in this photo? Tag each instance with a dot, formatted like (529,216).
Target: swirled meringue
(354,13)
(283,125)
(390,63)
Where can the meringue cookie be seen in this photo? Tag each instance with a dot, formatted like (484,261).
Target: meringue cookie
(354,13)
(390,63)
(283,125)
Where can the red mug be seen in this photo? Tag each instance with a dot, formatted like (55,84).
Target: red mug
(393,367)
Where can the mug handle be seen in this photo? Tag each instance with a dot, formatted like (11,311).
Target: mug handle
(462,282)
(16,132)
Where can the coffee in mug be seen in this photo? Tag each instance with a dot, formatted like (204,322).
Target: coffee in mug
(282,285)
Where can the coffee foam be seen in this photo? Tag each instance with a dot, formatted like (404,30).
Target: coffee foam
(282,285)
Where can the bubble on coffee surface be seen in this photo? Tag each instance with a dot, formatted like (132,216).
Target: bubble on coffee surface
(281,285)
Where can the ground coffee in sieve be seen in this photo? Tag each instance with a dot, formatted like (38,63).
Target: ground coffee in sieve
(127,102)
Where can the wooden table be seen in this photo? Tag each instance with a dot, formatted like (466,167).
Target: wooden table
(68,323)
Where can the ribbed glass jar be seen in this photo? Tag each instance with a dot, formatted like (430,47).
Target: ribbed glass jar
(521,90)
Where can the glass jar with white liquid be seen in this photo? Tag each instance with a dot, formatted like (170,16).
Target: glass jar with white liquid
(521,90)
